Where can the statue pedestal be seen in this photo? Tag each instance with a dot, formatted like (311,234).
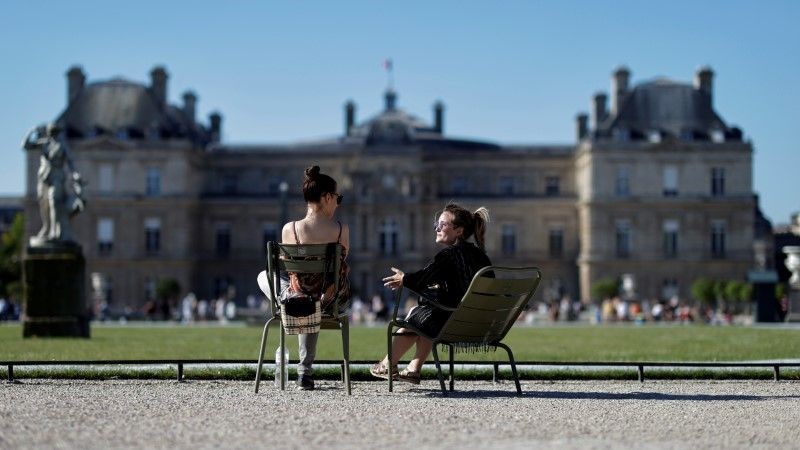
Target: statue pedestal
(54,301)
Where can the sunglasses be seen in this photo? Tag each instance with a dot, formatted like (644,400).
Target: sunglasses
(437,226)
(339,198)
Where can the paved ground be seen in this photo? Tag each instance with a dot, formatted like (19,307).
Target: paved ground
(210,414)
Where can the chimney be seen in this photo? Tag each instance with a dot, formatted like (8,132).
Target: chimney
(704,81)
(189,104)
(349,116)
(215,119)
(619,87)
(391,99)
(75,82)
(158,84)
(438,117)
(581,130)
(599,109)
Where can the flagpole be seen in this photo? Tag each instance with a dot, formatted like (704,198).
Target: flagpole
(389,66)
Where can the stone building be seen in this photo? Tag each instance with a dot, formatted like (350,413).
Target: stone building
(664,188)
(658,187)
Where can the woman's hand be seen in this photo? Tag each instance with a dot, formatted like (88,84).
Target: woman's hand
(394,281)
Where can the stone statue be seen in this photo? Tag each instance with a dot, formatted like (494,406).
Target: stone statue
(56,205)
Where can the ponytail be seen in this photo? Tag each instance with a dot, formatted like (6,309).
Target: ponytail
(481,218)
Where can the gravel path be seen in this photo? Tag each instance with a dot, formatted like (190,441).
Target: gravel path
(571,414)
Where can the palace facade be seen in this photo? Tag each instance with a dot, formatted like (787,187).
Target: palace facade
(656,186)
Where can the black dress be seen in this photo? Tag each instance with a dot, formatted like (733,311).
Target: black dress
(445,279)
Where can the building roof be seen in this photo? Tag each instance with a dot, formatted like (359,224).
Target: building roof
(390,129)
(129,110)
(666,108)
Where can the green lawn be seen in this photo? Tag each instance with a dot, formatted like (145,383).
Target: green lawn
(548,343)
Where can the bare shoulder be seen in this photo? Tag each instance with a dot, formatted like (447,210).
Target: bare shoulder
(287,234)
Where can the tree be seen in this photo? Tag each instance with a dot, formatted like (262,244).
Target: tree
(605,288)
(168,289)
(780,291)
(733,293)
(746,295)
(167,292)
(703,290)
(11,258)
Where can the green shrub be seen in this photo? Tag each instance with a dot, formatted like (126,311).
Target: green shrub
(704,291)
(605,288)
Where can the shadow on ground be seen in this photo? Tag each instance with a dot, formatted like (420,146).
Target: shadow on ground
(604,395)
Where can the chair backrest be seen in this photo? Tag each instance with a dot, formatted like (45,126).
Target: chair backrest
(303,259)
(493,302)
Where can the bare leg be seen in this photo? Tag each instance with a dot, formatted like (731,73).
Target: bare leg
(424,348)
(400,345)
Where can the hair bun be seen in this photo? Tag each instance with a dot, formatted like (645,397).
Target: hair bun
(312,172)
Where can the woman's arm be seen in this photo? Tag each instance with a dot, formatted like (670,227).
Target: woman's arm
(433,273)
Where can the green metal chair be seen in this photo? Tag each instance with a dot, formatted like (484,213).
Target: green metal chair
(305,258)
(493,302)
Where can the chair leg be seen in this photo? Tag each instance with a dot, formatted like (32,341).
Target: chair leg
(283,367)
(513,366)
(439,370)
(261,352)
(345,326)
(389,353)
(452,371)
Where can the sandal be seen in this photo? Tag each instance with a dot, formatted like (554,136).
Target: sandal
(409,376)
(379,370)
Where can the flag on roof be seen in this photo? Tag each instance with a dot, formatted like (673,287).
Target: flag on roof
(387,64)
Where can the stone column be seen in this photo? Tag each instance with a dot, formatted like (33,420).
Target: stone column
(53,290)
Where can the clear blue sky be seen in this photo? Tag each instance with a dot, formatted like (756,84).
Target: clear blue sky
(510,72)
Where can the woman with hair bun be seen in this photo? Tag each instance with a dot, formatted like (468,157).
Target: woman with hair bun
(317,227)
(450,274)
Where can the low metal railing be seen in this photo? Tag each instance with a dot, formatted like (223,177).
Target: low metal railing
(180,363)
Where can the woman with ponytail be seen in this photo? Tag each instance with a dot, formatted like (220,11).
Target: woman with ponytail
(448,275)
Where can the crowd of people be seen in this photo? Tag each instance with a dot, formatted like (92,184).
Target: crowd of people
(8,310)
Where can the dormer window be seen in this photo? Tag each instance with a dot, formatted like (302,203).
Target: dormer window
(654,136)
(389,132)
(621,134)
(687,135)
(717,136)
